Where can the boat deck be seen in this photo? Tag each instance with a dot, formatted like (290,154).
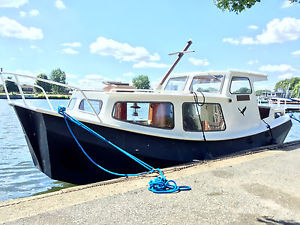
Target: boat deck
(257,188)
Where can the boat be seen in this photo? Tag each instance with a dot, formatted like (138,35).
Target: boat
(189,117)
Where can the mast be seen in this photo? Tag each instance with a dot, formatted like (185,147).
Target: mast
(180,54)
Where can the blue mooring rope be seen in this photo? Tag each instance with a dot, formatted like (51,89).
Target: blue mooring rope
(292,116)
(159,185)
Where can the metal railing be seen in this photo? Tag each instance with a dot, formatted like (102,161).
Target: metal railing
(17,82)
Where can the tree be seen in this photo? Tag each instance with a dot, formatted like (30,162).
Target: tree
(58,76)
(238,6)
(11,86)
(141,82)
(46,86)
(297,91)
(290,85)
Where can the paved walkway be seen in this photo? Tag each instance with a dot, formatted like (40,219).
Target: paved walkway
(261,188)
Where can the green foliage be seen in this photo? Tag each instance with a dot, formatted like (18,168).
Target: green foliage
(58,76)
(289,84)
(141,82)
(11,86)
(260,92)
(297,90)
(46,86)
(242,90)
(238,6)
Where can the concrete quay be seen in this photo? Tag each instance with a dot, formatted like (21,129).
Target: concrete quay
(258,188)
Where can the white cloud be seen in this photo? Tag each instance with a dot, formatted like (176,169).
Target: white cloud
(26,72)
(253,27)
(92,81)
(144,64)
(296,52)
(121,51)
(59,4)
(231,41)
(22,14)
(12,3)
(129,74)
(199,62)
(34,12)
(90,84)
(72,44)
(286,76)
(248,41)
(95,77)
(70,51)
(277,31)
(286,4)
(251,62)
(11,28)
(71,76)
(282,68)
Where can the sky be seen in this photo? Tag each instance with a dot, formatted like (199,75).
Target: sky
(117,40)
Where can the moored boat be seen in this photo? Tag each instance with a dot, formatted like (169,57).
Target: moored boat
(191,116)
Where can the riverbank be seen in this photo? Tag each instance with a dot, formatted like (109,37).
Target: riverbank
(32,96)
(256,188)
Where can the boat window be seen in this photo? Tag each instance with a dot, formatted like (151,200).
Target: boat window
(210,114)
(208,83)
(153,114)
(240,85)
(71,103)
(84,105)
(176,84)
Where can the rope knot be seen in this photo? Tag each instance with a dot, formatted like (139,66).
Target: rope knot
(61,110)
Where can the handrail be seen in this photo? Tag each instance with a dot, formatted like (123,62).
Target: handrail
(42,80)
(37,86)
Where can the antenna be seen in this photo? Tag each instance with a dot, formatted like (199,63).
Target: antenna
(180,54)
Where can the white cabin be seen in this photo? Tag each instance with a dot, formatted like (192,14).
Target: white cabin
(229,109)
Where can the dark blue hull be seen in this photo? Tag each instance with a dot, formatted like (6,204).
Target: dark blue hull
(56,154)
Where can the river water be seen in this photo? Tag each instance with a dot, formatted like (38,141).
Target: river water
(18,176)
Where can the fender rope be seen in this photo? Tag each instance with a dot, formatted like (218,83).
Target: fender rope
(159,185)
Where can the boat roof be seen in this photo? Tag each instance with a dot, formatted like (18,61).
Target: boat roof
(254,75)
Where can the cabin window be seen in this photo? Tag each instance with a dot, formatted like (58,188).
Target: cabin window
(208,83)
(210,113)
(84,105)
(240,85)
(176,84)
(71,103)
(153,114)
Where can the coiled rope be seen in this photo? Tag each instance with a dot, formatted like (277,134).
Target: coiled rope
(158,185)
